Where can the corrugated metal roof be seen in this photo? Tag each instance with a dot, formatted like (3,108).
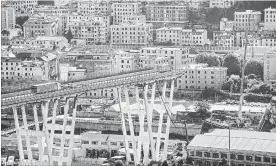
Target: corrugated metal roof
(241,140)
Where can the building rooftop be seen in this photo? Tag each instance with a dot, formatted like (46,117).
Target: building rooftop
(55,38)
(248,12)
(241,141)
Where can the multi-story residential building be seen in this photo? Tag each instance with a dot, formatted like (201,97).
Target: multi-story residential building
(179,36)
(42,68)
(94,7)
(270,19)
(221,3)
(22,7)
(131,33)
(7,18)
(177,57)
(124,61)
(155,62)
(60,11)
(248,20)
(199,76)
(226,25)
(93,32)
(89,17)
(247,148)
(53,42)
(260,40)
(269,66)
(224,38)
(167,13)
(42,25)
(61,2)
(269,40)
(121,10)
(136,18)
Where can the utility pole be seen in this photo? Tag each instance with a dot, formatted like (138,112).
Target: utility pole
(243,62)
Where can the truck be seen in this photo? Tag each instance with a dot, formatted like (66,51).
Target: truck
(46,87)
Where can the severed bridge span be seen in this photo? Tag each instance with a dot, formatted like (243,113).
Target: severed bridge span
(49,103)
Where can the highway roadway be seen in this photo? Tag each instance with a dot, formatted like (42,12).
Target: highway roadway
(88,85)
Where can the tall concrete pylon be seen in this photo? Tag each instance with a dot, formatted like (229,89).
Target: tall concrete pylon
(147,140)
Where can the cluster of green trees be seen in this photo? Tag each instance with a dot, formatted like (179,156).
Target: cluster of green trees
(233,63)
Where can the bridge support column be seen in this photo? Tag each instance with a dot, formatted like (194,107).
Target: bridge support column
(18,134)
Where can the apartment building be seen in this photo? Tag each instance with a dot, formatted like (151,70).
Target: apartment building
(179,36)
(260,40)
(221,3)
(131,34)
(7,18)
(244,149)
(269,66)
(40,68)
(60,11)
(94,7)
(224,38)
(89,17)
(176,57)
(121,10)
(270,18)
(226,25)
(92,31)
(247,20)
(42,25)
(22,7)
(269,41)
(52,42)
(199,76)
(153,61)
(124,61)
(167,13)
(59,3)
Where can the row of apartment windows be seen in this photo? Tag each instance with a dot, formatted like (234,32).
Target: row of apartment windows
(240,157)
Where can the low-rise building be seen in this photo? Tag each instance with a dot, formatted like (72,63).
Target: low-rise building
(246,147)
(199,76)
(52,42)
(177,57)
(7,18)
(25,66)
(70,73)
(226,25)
(42,25)
(124,61)
(221,3)
(247,20)
(270,18)
(269,66)
(224,38)
(179,36)
(131,33)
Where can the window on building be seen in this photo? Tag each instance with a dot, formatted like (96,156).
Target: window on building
(199,154)
(84,142)
(273,160)
(192,153)
(94,142)
(207,154)
(240,157)
(233,156)
(215,155)
(223,155)
(249,158)
(104,143)
(266,159)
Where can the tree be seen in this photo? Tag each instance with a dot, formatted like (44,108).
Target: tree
(254,67)
(211,60)
(69,35)
(251,76)
(202,110)
(21,20)
(213,16)
(233,65)
(227,85)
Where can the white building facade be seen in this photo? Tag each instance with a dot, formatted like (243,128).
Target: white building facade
(248,20)
(269,66)
(221,3)
(200,77)
(7,18)
(131,33)
(223,38)
(270,19)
